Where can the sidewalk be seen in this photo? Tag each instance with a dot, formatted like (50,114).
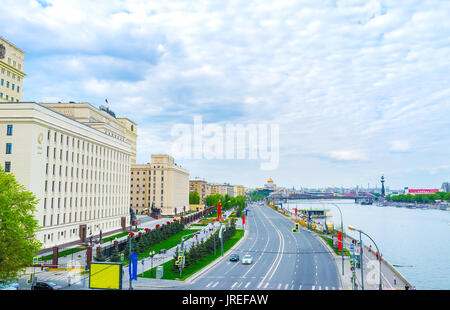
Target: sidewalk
(391,279)
(371,270)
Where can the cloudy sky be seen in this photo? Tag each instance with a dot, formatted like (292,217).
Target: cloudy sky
(357,88)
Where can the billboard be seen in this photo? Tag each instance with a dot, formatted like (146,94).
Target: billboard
(105,276)
(422,191)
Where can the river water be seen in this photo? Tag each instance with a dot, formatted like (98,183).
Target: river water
(418,240)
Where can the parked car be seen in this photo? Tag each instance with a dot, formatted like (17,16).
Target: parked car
(247,259)
(234,258)
(46,286)
(163,251)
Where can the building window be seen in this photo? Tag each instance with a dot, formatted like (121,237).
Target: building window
(8,148)
(8,166)
(9,130)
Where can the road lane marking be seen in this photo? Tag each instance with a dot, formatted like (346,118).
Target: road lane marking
(267,284)
(313,287)
(300,287)
(247,284)
(215,284)
(286,286)
(279,286)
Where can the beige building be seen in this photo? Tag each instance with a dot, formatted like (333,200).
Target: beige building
(239,190)
(218,189)
(201,187)
(77,166)
(161,184)
(11,71)
(131,136)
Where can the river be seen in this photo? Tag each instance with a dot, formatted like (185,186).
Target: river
(417,240)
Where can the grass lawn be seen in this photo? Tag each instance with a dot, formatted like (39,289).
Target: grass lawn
(187,272)
(198,224)
(166,244)
(330,244)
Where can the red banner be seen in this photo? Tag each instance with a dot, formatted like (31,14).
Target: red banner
(243,218)
(340,241)
(295,211)
(219,211)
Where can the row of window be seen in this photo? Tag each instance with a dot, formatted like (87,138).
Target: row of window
(13,86)
(7,98)
(143,172)
(143,205)
(19,66)
(62,219)
(154,193)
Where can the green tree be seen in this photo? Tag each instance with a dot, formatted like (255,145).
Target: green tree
(18,244)
(194,198)
(115,255)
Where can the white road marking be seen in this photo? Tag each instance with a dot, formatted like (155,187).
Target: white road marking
(267,284)
(279,286)
(313,287)
(215,284)
(247,284)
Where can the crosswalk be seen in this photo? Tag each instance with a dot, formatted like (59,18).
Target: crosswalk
(266,285)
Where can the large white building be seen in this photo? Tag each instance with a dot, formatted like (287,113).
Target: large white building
(80,174)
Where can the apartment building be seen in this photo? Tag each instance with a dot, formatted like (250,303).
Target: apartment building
(201,187)
(161,184)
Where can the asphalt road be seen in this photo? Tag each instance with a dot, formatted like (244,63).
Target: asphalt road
(281,259)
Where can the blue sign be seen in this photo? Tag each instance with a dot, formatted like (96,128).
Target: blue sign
(245,212)
(352,246)
(133,264)
(281,204)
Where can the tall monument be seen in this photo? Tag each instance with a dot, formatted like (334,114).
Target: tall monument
(383,192)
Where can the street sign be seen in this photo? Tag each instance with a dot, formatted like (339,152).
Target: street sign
(180,253)
(122,256)
(352,246)
(353,262)
(35,260)
(296,228)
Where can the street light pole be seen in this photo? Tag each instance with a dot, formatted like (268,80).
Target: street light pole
(342,229)
(380,285)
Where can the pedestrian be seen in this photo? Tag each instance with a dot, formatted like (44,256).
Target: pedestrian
(395,280)
(406,287)
(377,255)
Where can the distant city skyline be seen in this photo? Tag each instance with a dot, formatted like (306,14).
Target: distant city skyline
(358,89)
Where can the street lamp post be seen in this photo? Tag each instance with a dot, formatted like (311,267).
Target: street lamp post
(380,286)
(129,262)
(342,229)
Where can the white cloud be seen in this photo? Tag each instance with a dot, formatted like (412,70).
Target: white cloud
(353,81)
(400,146)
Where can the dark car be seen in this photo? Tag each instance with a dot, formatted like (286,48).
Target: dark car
(234,258)
(163,251)
(45,286)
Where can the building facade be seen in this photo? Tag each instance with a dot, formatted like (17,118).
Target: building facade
(239,190)
(160,184)
(11,71)
(79,173)
(201,187)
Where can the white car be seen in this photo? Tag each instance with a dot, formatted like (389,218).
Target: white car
(247,259)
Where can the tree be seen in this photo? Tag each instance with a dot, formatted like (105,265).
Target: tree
(194,198)
(115,255)
(18,244)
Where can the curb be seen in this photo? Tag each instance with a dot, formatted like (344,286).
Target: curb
(196,275)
